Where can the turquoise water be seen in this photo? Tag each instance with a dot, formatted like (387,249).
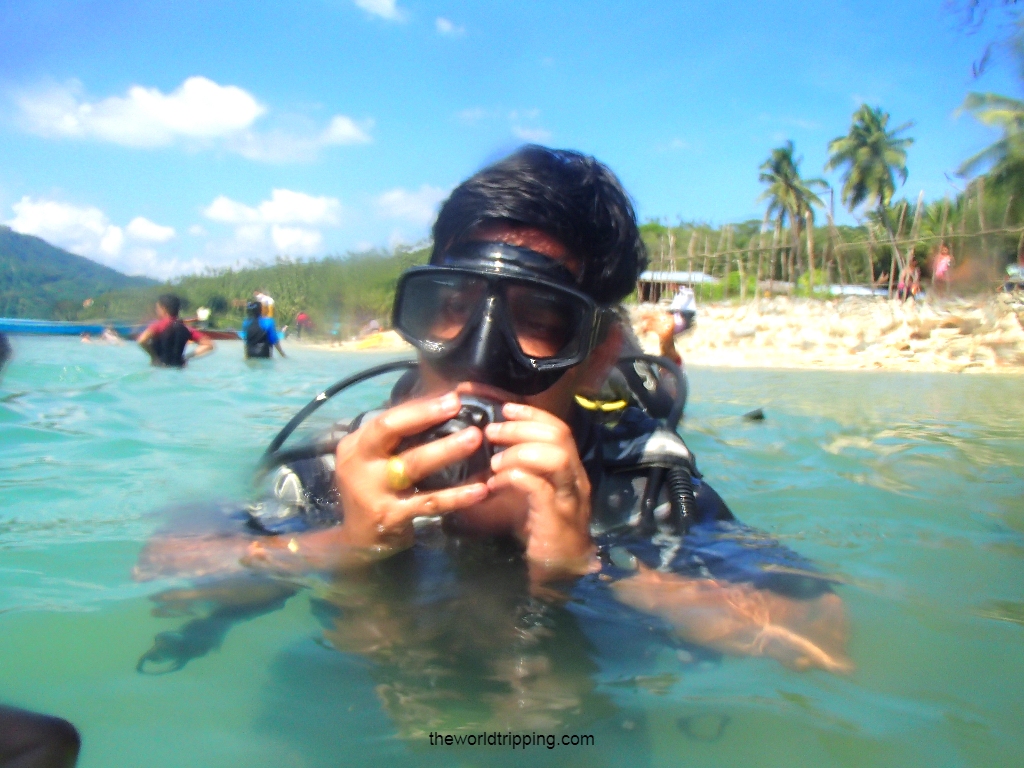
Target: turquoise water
(907,487)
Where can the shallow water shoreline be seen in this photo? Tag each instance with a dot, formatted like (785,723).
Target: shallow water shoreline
(866,334)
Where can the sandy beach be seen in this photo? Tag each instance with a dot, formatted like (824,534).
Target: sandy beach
(955,335)
(855,333)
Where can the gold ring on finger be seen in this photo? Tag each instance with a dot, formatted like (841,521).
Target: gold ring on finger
(397,479)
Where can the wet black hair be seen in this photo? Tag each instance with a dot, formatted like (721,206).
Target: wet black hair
(254,309)
(570,196)
(170,302)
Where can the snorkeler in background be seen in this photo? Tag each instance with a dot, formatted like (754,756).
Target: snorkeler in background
(259,334)
(519,308)
(166,338)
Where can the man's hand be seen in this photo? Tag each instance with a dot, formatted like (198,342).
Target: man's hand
(542,463)
(376,515)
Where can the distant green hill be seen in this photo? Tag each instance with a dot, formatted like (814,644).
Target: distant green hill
(40,280)
(345,290)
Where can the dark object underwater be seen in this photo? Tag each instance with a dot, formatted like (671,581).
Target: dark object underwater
(755,415)
(31,740)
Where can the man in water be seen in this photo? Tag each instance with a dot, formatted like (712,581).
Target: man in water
(530,259)
(166,337)
(517,307)
(259,333)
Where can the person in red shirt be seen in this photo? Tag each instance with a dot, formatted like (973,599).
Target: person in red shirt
(166,337)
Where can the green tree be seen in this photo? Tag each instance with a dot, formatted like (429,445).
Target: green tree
(871,157)
(1005,158)
(791,198)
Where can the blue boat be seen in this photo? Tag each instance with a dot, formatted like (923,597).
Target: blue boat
(66,327)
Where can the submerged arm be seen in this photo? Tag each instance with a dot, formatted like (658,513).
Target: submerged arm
(740,619)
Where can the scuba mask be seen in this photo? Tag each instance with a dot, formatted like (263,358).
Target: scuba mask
(498,314)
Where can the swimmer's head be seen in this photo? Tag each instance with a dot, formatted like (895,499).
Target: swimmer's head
(572,198)
(254,309)
(530,255)
(168,304)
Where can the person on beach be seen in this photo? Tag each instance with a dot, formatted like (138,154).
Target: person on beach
(166,338)
(302,323)
(943,269)
(266,302)
(667,326)
(910,280)
(683,310)
(519,307)
(259,334)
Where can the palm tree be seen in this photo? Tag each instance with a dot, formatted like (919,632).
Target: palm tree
(1005,158)
(791,198)
(873,156)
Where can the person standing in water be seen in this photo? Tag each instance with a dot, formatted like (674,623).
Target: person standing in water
(166,337)
(259,333)
(518,308)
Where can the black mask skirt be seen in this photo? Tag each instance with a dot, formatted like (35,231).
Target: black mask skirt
(498,314)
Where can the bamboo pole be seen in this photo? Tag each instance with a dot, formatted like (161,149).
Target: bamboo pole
(704,271)
(689,255)
(810,253)
(775,243)
(987,257)
(871,256)
(727,235)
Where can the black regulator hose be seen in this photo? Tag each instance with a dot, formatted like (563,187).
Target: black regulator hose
(641,377)
(684,503)
(273,456)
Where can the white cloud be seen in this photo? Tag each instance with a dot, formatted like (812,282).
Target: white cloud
(283,147)
(386,9)
(197,230)
(296,241)
(538,135)
(84,230)
(199,114)
(197,109)
(448,28)
(149,262)
(283,207)
(473,115)
(141,228)
(419,207)
(286,222)
(345,130)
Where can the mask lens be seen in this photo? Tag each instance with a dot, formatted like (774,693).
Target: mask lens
(436,307)
(546,322)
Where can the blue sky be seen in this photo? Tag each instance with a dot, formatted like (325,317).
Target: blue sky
(162,138)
